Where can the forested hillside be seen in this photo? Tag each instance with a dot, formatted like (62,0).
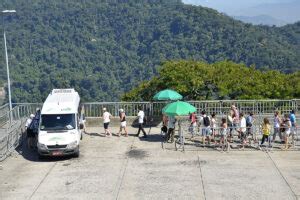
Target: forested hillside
(220,80)
(103,48)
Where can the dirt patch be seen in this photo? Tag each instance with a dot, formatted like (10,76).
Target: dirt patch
(137,154)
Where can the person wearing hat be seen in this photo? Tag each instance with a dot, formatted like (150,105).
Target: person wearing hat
(123,123)
(106,119)
(29,132)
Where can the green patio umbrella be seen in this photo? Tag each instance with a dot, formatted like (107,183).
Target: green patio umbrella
(166,95)
(178,108)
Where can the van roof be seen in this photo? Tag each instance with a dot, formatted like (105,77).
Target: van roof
(61,101)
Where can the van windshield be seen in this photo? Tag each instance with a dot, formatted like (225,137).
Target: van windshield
(58,122)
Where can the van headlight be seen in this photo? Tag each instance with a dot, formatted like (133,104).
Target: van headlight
(72,145)
(42,146)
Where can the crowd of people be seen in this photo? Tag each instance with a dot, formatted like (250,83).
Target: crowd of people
(123,125)
(221,131)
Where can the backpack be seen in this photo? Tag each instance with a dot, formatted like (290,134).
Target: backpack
(248,121)
(206,121)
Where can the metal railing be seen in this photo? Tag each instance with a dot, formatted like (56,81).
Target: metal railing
(186,132)
(11,131)
(95,109)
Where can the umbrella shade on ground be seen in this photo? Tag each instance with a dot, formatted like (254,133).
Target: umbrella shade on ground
(178,108)
(165,95)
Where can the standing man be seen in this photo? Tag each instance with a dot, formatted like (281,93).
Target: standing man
(106,119)
(141,116)
(171,128)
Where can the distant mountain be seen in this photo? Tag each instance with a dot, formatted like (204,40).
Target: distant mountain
(251,11)
(261,20)
(105,48)
(285,11)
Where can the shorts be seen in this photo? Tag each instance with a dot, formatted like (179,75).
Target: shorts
(206,131)
(123,124)
(106,125)
(223,133)
(293,130)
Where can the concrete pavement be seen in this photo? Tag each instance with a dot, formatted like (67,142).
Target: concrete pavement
(136,168)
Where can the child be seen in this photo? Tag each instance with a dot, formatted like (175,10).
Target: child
(223,133)
(266,130)
(287,130)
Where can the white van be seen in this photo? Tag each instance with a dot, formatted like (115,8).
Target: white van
(59,131)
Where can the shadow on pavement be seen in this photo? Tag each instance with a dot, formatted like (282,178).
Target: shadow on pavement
(32,155)
(95,134)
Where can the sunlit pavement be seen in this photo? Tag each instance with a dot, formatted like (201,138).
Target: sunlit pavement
(137,168)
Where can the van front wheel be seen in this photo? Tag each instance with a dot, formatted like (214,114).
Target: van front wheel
(77,153)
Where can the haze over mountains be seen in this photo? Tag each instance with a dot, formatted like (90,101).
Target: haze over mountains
(105,48)
(268,12)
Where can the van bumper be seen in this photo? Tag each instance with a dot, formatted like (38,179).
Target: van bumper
(58,151)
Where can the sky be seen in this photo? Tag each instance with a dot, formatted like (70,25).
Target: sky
(287,10)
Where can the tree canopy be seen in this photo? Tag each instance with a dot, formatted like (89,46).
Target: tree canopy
(220,80)
(105,48)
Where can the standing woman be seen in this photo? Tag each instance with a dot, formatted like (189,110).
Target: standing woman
(123,123)
(214,127)
(223,133)
(277,122)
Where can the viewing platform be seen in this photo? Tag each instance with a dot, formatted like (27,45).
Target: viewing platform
(145,168)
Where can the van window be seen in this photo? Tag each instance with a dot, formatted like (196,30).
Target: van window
(58,122)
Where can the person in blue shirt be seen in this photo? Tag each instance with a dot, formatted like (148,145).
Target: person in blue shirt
(293,128)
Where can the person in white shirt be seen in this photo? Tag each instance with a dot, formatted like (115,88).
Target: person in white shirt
(122,116)
(242,130)
(141,116)
(106,119)
(28,121)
